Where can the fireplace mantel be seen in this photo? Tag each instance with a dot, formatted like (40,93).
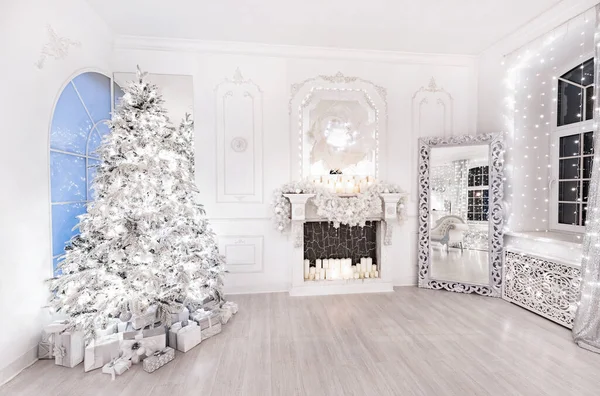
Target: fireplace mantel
(303,211)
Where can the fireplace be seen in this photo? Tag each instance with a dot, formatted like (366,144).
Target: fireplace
(315,238)
(332,253)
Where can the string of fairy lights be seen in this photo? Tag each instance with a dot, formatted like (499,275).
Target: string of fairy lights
(532,75)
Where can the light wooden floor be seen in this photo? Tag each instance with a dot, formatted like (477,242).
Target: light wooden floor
(410,342)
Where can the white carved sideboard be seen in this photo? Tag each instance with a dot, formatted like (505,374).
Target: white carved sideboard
(542,273)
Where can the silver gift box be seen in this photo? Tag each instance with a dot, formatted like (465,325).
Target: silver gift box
(158,359)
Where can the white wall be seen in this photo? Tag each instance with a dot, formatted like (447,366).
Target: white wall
(27,98)
(274,69)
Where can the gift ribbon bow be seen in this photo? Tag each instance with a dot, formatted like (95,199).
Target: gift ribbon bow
(60,351)
(159,353)
(112,365)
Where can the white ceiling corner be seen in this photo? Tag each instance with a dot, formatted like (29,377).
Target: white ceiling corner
(463,27)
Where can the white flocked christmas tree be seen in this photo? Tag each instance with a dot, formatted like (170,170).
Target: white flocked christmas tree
(145,241)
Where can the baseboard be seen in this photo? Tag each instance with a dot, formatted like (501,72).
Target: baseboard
(21,363)
(271,288)
(406,281)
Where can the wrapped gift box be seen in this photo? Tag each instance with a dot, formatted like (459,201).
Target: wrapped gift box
(68,348)
(49,334)
(102,351)
(232,306)
(116,367)
(138,322)
(205,319)
(158,359)
(111,328)
(187,337)
(225,316)
(137,345)
(180,316)
(214,329)
(46,350)
(227,311)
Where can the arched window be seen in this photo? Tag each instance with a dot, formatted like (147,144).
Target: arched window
(78,125)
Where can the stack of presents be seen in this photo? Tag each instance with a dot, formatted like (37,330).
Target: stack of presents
(141,340)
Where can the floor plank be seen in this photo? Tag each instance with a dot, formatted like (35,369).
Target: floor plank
(409,342)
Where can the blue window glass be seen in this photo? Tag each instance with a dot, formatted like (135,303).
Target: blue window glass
(78,125)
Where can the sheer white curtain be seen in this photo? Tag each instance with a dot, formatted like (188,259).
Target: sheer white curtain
(586,329)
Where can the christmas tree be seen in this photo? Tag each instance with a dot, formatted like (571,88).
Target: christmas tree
(144,242)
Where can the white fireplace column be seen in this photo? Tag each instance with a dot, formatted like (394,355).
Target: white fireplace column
(298,202)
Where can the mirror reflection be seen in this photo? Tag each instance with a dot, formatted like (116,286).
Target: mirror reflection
(459,208)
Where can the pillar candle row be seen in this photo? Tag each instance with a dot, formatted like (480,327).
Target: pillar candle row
(331,269)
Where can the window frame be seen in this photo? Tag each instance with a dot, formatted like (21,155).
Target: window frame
(561,131)
(478,188)
(86,156)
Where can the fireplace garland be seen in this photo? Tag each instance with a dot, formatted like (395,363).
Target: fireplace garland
(352,210)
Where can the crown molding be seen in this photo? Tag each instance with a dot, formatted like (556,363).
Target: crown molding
(226,47)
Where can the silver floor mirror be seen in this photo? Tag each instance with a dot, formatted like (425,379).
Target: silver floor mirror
(460,213)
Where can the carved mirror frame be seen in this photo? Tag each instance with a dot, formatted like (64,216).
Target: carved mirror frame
(495,217)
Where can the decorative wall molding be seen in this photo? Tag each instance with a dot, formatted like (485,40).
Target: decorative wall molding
(239,127)
(243,253)
(307,94)
(429,103)
(338,78)
(56,48)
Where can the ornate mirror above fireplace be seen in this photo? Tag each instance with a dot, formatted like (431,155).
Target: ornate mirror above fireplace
(460,213)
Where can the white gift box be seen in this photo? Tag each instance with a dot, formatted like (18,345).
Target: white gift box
(232,306)
(227,310)
(111,328)
(53,328)
(172,333)
(102,351)
(49,333)
(116,367)
(188,336)
(180,316)
(148,319)
(136,346)
(123,327)
(68,348)
(46,350)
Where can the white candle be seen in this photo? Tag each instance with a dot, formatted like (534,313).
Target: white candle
(337,265)
(376,274)
(363,264)
(312,270)
(354,269)
(373,267)
(361,275)
(311,276)
(319,264)
(356,275)
(366,274)
(325,263)
(306,268)
(369,263)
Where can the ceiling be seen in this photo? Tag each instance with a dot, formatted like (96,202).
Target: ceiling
(425,26)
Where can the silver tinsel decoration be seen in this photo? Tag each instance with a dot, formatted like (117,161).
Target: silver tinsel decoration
(586,328)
